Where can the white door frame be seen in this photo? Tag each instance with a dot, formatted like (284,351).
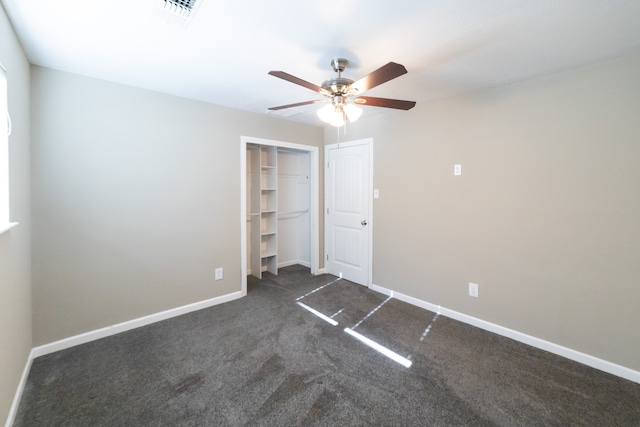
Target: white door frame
(369,143)
(313,200)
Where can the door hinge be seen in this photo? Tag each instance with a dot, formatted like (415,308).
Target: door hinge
(327,165)
(327,257)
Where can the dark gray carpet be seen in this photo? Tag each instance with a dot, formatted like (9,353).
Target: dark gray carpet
(264,360)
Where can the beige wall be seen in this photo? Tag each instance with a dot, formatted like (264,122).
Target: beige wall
(15,245)
(545,217)
(136,200)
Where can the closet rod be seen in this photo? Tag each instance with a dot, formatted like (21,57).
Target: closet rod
(294,212)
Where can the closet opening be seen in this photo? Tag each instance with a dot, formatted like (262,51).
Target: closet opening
(279,207)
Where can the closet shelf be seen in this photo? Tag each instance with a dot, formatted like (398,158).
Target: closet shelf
(264,230)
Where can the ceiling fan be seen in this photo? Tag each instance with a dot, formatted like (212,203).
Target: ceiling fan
(345,93)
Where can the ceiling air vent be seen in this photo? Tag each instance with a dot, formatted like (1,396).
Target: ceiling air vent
(178,11)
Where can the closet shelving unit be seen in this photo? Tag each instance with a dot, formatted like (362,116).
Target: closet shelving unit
(264,223)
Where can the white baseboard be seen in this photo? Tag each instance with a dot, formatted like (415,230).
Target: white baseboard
(130,324)
(105,332)
(586,359)
(13,411)
(294,262)
(285,264)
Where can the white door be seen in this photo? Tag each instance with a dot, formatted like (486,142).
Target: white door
(348,188)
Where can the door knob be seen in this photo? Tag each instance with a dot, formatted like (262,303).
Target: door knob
(363,222)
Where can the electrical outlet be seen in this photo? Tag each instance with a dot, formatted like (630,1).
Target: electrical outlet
(473,290)
(457,169)
(219,273)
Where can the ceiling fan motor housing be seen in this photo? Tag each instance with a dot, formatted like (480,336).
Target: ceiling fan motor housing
(337,86)
(339,64)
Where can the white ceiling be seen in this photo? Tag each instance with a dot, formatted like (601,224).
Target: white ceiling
(449,46)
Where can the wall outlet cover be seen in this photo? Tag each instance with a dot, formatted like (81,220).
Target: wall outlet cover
(473,290)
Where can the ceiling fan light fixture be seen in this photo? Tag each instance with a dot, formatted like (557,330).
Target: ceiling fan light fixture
(332,114)
(337,119)
(325,113)
(336,114)
(353,112)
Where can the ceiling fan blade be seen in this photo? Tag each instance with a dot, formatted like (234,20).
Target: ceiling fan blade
(385,102)
(379,76)
(293,79)
(297,104)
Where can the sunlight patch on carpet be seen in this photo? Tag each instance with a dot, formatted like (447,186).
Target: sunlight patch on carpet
(317,313)
(380,348)
(317,289)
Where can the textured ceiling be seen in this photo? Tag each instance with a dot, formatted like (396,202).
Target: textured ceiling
(449,47)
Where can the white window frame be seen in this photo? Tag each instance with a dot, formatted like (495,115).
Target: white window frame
(5,131)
